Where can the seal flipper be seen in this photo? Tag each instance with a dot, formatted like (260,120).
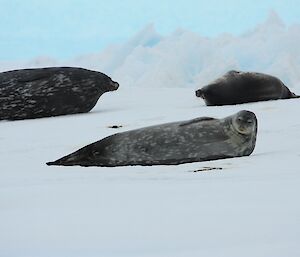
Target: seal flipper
(294,95)
(71,160)
(189,122)
(64,161)
(87,155)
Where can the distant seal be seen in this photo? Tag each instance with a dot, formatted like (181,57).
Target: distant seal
(237,87)
(37,93)
(200,139)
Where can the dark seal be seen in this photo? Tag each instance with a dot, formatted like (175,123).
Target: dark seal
(37,93)
(200,139)
(237,87)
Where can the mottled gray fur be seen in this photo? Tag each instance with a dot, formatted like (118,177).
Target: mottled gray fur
(200,139)
(37,93)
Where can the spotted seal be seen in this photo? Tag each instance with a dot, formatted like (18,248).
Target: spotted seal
(200,139)
(45,92)
(237,87)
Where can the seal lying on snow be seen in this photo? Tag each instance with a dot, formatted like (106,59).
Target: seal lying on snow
(200,139)
(237,87)
(37,93)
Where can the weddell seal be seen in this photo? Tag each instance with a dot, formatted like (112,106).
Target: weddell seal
(200,139)
(37,93)
(237,87)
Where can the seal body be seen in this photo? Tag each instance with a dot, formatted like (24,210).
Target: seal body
(237,87)
(196,140)
(37,93)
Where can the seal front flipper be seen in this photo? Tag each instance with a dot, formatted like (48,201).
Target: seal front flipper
(197,120)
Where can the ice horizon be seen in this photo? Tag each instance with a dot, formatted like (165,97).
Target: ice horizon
(187,59)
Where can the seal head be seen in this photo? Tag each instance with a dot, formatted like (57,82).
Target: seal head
(244,122)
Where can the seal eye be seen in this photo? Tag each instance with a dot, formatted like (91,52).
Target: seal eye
(249,121)
(239,118)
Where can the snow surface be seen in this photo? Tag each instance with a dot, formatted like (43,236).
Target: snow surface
(249,208)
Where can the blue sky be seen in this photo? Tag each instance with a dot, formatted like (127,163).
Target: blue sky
(67,28)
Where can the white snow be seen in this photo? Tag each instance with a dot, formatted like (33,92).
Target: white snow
(250,208)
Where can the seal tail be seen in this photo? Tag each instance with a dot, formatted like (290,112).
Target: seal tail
(294,95)
(68,160)
(52,163)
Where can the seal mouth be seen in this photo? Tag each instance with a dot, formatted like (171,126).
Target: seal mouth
(244,130)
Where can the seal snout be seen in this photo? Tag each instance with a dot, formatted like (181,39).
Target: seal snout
(113,85)
(199,93)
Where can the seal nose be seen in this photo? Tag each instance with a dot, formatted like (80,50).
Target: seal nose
(242,128)
(114,85)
